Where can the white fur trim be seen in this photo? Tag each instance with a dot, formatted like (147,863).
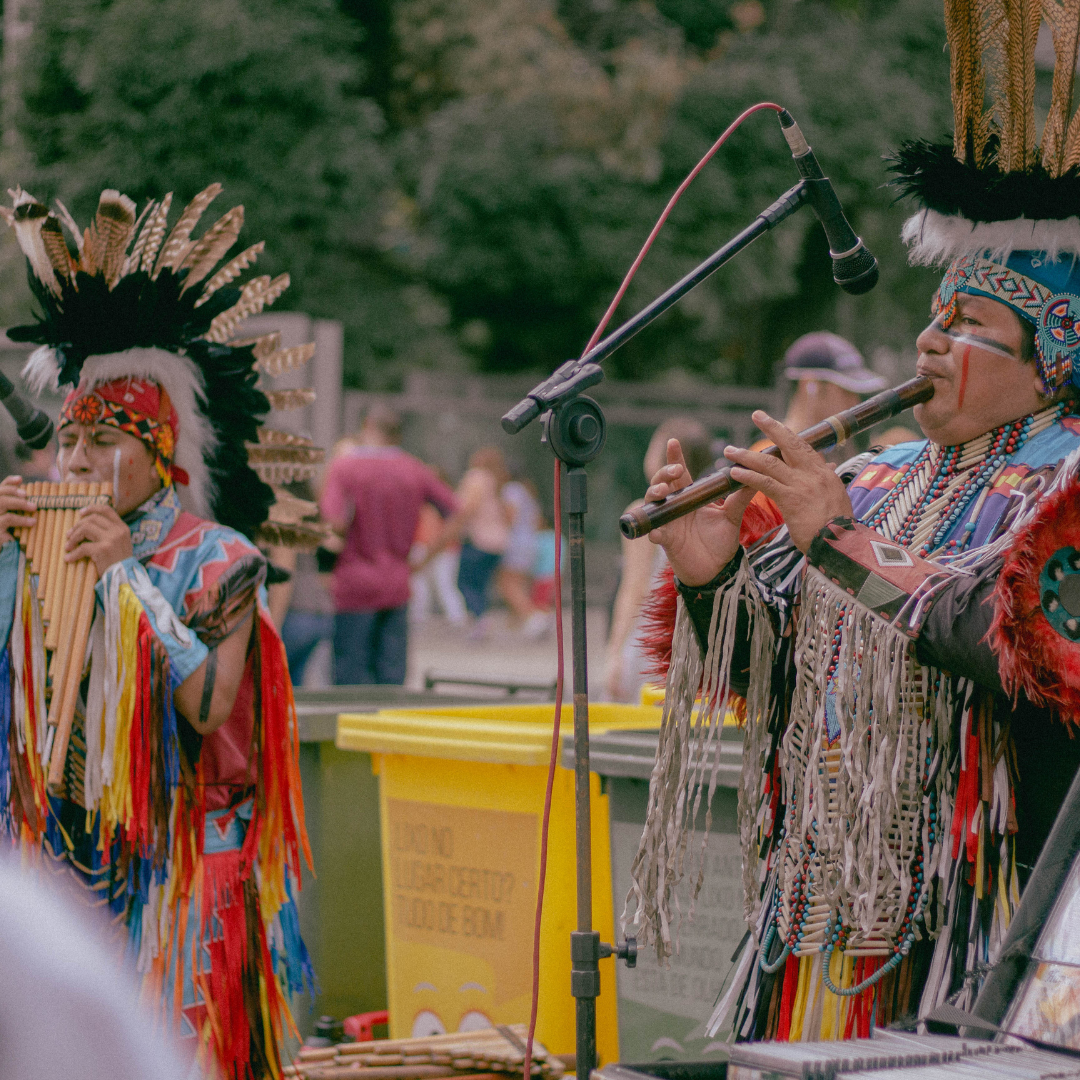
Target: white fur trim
(183,383)
(935,239)
(41,371)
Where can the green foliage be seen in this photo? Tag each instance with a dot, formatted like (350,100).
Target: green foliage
(464,182)
(262,95)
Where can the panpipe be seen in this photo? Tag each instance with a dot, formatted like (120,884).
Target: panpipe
(65,594)
(496,1053)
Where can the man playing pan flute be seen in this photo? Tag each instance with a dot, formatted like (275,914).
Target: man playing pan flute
(176,799)
(906,648)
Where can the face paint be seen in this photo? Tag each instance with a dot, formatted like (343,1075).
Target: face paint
(976,341)
(116,475)
(963,376)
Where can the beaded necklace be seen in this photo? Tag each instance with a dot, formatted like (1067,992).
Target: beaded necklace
(936,489)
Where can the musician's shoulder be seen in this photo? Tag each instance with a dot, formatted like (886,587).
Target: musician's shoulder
(198,539)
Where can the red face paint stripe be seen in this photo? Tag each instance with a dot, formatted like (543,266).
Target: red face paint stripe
(963,376)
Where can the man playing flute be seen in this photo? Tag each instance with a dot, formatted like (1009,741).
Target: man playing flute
(905,648)
(179,808)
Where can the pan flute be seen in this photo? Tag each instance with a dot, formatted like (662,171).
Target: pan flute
(65,594)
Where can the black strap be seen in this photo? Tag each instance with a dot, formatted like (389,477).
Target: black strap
(208,686)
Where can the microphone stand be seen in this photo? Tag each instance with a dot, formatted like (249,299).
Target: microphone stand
(576,430)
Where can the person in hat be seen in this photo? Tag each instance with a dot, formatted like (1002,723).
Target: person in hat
(179,810)
(829,376)
(906,648)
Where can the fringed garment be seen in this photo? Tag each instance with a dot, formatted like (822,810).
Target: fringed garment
(897,784)
(193,845)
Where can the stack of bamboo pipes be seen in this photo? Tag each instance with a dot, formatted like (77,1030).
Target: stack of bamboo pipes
(494,1053)
(65,593)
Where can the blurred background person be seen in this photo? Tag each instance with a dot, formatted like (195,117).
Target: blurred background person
(372,497)
(515,572)
(643,561)
(302,607)
(485,524)
(830,375)
(435,575)
(542,592)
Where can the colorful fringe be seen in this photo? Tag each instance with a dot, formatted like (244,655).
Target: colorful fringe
(224,921)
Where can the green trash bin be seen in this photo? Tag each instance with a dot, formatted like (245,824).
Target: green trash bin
(662,1010)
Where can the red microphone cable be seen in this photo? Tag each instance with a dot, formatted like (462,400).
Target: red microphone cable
(557,510)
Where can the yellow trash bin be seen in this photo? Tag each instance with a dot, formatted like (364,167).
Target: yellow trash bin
(461,798)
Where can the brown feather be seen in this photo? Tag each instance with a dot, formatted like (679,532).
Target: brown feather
(131,263)
(232,269)
(289,509)
(52,237)
(112,228)
(303,534)
(1071,154)
(968,29)
(281,360)
(283,400)
(69,223)
(211,247)
(28,218)
(1064,21)
(273,437)
(154,228)
(284,472)
(256,294)
(1015,84)
(178,244)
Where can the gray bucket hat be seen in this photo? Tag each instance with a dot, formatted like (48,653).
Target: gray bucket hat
(829,357)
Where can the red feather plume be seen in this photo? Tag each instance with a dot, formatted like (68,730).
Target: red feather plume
(1033,658)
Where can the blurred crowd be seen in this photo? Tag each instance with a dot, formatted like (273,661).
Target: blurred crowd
(406,547)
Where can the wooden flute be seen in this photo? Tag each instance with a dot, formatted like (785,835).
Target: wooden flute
(823,436)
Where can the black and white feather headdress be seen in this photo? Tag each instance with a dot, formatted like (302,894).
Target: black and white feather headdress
(130,297)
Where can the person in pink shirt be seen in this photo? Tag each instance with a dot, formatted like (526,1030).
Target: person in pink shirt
(372,496)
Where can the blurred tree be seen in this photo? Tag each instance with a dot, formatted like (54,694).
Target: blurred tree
(541,149)
(265,96)
(463,182)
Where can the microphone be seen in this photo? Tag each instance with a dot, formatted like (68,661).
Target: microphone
(34,427)
(855,270)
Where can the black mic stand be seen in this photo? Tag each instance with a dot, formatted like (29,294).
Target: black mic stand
(575,429)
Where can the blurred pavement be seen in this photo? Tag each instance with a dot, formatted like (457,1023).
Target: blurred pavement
(436,647)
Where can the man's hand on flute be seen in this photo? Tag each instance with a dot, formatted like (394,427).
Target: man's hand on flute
(804,486)
(698,545)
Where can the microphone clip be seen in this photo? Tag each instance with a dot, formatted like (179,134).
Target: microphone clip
(565,383)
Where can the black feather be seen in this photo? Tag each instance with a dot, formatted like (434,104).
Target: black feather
(929,173)
(88,319)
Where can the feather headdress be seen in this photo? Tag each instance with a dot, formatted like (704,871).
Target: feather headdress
(1000,207)
(129,297)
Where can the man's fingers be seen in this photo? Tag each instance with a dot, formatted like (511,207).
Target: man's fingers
(791,446)
(15,521)
(757,482)
(737,502)
(665,480)
(767,464)
(675,458)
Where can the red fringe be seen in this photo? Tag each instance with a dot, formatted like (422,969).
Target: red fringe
(1033,658)
(787,999)
(277,746)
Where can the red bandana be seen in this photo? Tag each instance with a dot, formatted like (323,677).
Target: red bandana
(137,406)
